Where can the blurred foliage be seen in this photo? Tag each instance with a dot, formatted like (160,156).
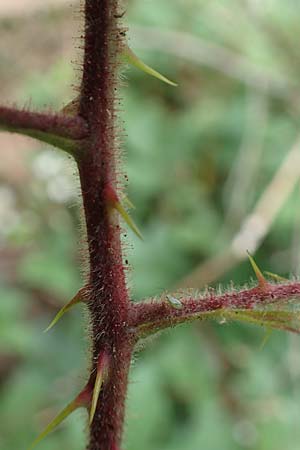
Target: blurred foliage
(205,386)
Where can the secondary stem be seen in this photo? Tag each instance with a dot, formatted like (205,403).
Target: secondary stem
(62,131)
(150,317)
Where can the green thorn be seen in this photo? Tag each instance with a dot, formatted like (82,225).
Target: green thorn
(63,310)
(102,371)
(131,58)
(128,202)
(266,337)
(82,400)
(259,275)
(275,276)
(122,211)
(96,393)
(55,422)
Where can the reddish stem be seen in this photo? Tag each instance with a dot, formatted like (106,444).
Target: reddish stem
(149,317)
(108,298)
(115,323)
(12,119)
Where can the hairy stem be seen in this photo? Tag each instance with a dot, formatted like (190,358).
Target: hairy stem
(115,323)
(56,129)
(108,298)
(268,305)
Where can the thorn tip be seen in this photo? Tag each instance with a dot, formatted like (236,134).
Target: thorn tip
(113,202)
(81,400)
(262,282)
(275,276)
(64,309)
(130,57)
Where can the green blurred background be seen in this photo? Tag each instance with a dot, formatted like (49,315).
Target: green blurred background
(198,158)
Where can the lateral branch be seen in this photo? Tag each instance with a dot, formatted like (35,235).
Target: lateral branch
(57,129)
(274,306)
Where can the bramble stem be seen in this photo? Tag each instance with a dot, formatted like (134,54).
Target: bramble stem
(56,129)
(108,298)
(150,317)
(116,324)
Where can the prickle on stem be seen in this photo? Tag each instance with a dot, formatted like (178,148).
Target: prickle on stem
(113,203)
(130,57)
(81,401)
(266,337)
(262,282)
(74,301)
(102,372)
(275,276)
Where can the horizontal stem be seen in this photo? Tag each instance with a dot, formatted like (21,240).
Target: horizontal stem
(150,317)
(56,129)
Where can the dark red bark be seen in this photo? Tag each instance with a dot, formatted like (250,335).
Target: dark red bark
(108,300)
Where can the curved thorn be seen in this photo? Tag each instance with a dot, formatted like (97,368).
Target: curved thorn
(266,337)
(275,276)
(128,202)
(102,369)
(96,393)
(259,275)
(122,211)
(131,58)
(81,401)
(54,423)
(113,202)
(64,309)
